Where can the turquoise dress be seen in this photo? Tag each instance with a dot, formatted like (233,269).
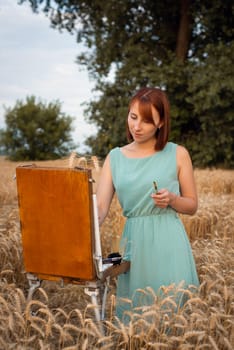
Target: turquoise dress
(153,239)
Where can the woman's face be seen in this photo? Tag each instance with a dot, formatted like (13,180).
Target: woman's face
(142,130)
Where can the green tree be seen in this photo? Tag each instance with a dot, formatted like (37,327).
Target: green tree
(36,131)
(185,47)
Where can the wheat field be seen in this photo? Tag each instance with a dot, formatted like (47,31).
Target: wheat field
(61,317)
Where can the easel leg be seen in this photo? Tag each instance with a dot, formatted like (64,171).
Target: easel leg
(34,283)
(93,293)
(106,288)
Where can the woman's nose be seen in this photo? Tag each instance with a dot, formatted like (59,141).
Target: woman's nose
(137,125)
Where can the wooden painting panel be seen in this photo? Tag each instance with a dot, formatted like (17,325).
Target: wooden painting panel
(56,217)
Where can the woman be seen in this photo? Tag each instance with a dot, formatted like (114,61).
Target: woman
(154,239)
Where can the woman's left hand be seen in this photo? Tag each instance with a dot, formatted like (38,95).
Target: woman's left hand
(162,198)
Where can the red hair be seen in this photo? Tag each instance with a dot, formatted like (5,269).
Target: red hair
(156,98)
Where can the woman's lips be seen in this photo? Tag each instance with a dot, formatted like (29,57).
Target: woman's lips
(137,134)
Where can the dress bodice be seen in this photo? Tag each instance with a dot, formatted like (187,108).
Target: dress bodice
(133,179)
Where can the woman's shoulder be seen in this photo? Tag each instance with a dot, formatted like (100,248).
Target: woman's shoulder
(119,150)
(114,151)
(182,155)
(181,150)
(114,154)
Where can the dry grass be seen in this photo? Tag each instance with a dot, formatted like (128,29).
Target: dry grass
(62,317)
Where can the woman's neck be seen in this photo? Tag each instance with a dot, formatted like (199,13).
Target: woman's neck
(144,146)
(136,149)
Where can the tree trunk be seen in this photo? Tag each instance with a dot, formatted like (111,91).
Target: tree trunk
(184,31)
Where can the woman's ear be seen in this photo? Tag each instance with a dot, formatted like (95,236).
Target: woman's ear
(160,125)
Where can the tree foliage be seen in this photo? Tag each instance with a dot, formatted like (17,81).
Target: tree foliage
(184,47)
(36,131)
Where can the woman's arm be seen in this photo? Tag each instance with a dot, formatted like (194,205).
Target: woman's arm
(186,202)
(105,190)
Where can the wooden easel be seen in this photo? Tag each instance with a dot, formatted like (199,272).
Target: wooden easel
(60,231)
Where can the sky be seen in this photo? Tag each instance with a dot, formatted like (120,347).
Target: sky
(38,60)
